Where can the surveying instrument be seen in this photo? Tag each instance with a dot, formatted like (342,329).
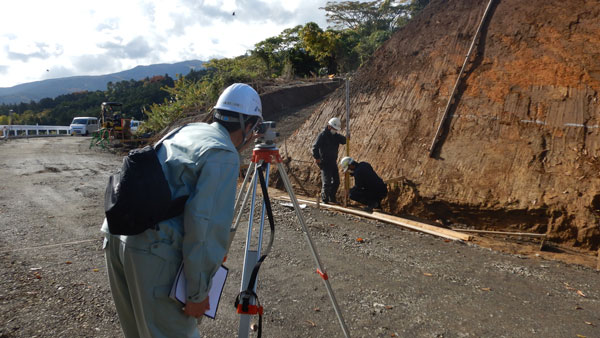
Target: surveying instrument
(264,153)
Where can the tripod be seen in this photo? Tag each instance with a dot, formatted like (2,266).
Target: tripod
(262,157)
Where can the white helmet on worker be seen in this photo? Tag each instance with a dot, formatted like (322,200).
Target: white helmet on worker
(240,98)
(345,163)
(335,123)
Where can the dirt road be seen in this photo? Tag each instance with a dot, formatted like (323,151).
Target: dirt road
(395,283)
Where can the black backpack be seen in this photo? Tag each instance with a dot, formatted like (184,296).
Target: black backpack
(138,196)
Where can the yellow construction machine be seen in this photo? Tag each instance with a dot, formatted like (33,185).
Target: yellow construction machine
(113,125)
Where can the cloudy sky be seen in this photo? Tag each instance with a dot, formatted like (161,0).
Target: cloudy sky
(43,39)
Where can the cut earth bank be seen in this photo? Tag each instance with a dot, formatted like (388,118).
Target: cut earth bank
(521,150)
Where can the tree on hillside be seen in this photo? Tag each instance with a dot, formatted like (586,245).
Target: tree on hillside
(368,44)
(323,45)
(372,23)
(286,55)
(358,29)
(369,16)
(349,14)
(223,72)
(270,51)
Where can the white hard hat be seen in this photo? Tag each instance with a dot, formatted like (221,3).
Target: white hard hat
(345,162)
(240,98)
(335,123)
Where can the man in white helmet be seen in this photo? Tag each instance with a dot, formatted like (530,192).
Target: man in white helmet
(201,160)
(325,153)
(369,189)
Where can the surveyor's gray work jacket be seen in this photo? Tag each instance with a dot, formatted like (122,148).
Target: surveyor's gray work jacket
(200,161)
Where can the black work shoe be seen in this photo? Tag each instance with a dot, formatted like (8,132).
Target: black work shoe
(375,205)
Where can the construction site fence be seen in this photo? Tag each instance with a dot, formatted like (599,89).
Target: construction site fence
(15,131)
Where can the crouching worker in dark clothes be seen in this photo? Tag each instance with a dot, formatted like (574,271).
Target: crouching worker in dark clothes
(369,189)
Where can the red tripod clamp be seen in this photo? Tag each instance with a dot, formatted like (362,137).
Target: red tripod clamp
(243,307)
(252,310)
(267,155)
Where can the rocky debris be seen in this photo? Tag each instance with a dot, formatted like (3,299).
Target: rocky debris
(392,283)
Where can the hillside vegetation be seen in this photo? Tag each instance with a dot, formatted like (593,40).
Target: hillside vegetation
(305,52)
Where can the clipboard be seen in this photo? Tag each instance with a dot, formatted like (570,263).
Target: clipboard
(179,293)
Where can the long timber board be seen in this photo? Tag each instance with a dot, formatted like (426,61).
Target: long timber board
(403,222)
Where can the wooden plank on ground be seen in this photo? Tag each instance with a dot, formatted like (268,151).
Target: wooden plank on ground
(506,233)
(403,222)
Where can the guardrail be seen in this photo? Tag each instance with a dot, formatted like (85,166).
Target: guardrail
(11,131)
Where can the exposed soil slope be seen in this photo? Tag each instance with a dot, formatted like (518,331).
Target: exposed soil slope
(521,150)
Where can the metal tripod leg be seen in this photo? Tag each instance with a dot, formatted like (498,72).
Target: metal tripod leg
(251,257)
(320,269)
(250,260)
(240,207)
(251,168)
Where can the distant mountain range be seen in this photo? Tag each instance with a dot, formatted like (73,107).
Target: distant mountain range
(35,91)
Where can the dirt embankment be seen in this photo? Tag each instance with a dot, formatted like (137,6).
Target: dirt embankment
(521,150)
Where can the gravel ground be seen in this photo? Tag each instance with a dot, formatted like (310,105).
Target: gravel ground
(392,283)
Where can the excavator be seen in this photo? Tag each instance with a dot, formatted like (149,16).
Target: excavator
(113,125)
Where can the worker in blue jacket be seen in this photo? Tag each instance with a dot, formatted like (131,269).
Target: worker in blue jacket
(200,160)
(325,153)
(369,189)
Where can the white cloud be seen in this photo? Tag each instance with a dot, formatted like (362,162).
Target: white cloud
(46,39)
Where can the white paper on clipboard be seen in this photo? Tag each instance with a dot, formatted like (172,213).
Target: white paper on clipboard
(178,290)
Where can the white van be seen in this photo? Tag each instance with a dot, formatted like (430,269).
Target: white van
(83,125)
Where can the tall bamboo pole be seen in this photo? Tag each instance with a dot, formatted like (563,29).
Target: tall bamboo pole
(346,175)
(435,141)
